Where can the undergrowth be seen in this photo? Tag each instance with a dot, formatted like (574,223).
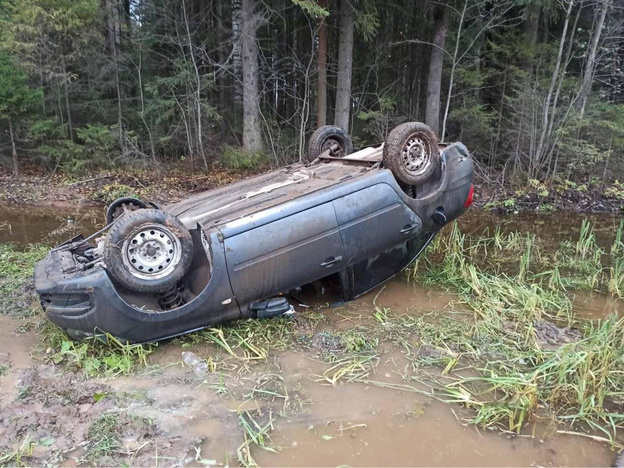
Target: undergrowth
(533,357)
(16,272)
(100,356)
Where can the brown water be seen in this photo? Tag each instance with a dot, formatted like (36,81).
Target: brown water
(27,225)
(314,423)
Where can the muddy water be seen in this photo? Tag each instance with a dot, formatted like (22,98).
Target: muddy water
(314,423)
(28,225)
(552,227)
(363,425)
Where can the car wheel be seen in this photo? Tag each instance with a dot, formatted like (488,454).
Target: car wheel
(123,205)
(148,250)
(329,137)
(411,153)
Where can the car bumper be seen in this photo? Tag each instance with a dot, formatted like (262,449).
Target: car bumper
(88,303)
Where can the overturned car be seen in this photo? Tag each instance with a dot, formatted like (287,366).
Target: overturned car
(234,252)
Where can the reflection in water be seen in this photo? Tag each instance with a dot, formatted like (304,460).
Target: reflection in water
(591,304)
(553,227)
(29,225)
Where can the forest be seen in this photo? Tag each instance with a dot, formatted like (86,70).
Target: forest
(535,88)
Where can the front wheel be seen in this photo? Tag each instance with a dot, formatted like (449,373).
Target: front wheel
(411,153)
(332,138)
(148,251)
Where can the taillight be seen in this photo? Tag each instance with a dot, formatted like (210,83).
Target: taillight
(470,197)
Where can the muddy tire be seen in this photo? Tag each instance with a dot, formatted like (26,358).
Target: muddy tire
(123,205)
(329,137)
(411,153)
(147,251)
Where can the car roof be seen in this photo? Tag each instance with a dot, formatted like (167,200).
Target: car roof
(223,205)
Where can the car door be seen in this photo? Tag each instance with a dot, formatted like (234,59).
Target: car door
(284,254)
(375,226)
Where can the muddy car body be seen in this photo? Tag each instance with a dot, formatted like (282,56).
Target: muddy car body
(255,240)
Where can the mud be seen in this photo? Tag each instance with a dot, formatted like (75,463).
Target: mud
(169,415)
(365,426)
(549,334)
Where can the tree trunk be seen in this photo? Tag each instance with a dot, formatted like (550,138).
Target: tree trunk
(198,108)
(531,29)
(70,126)
(13,149)
(113,25)
(252,132)
(526,63)
(345,65)
(114,44)
(147,127)
(237,28)
(434,83)
(590,63)
(321,94)
(537,157)
(222,81)
(453,66)
(119,112)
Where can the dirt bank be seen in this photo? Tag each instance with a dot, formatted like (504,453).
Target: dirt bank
(537,197)
(167,185)
(62,191)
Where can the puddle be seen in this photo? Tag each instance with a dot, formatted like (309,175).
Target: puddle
(30,225)
(592,304)
(404,297)
(555,227)
(360,425)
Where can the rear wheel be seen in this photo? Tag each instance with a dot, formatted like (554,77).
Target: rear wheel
(148,250)
(332,138)
(123,205)
(411,153)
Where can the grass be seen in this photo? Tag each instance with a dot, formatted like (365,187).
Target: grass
(16,270)
(105,436)
(256,434)
(530,356)
(101,356)
(616,270)
(246,340)
(16,458)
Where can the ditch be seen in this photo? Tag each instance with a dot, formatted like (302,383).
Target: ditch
(503,346)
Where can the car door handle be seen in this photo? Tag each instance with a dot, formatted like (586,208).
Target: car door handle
(408,228)
(331,260)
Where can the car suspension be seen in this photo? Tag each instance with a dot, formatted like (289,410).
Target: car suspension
(171,298)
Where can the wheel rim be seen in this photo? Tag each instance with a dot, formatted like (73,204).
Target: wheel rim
(416,155)
(330,142)
(151,252)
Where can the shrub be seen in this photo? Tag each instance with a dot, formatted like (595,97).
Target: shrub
(238,158)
